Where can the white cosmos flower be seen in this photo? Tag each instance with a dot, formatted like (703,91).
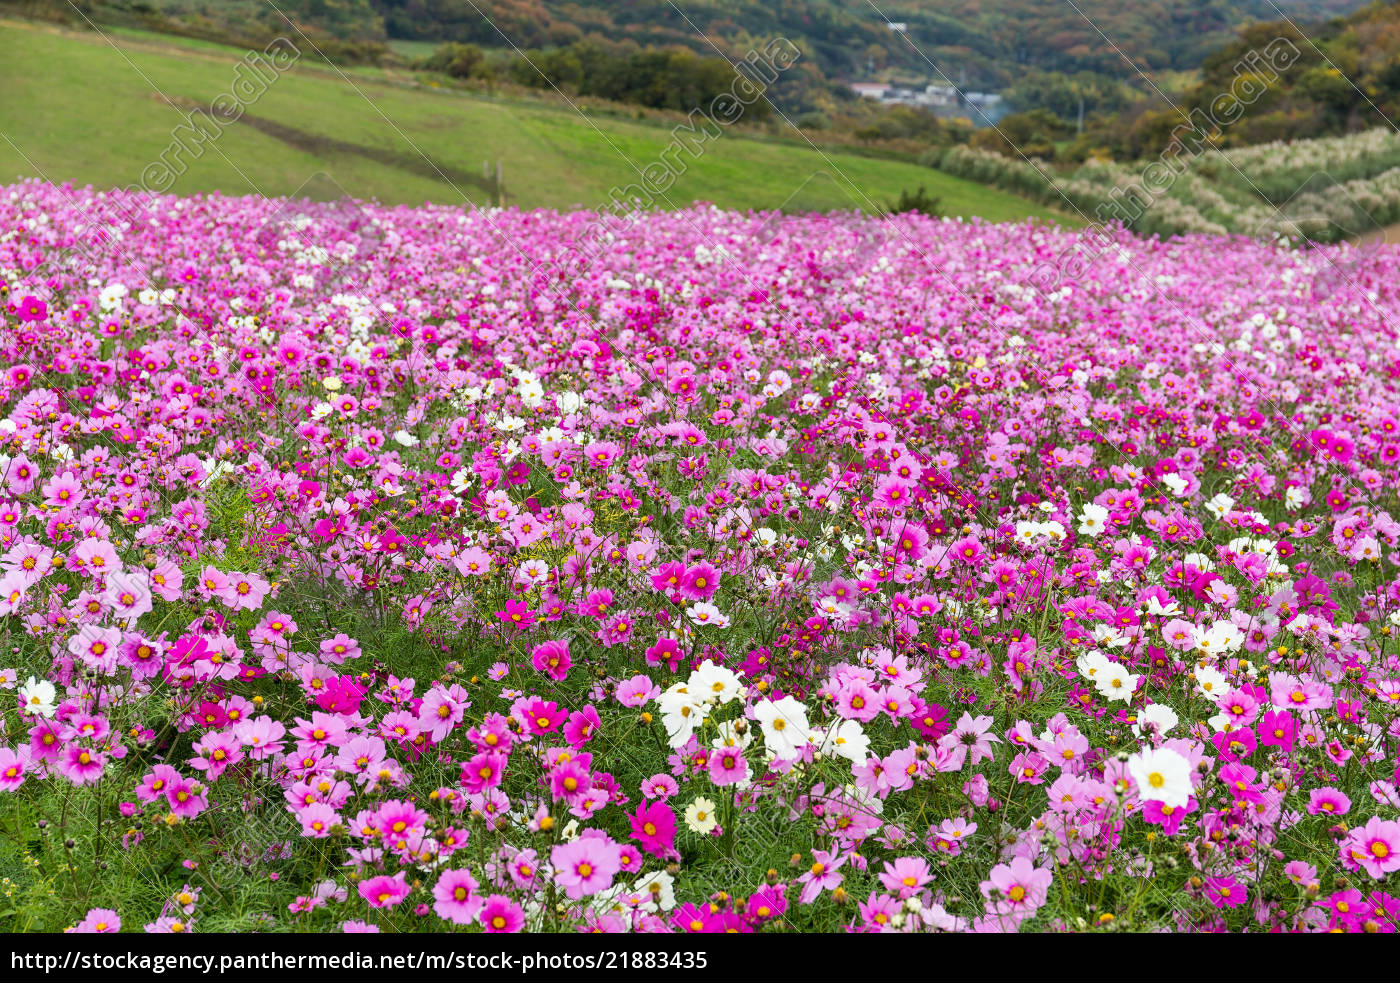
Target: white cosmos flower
(846,739)
(681,713)
(784,724)
(531,394)
(727,736)
(714,683)
(1093,519)
(1223,636)
(659,888)
(1027,532)
(38,696)
(834,608)
(1211,683)
(404,438)
(700,816)
(1091,665)
(681,722)
(702,613)
(1115,682)
(532,572)
(1163,718)
(1157,609)
(1220,505)
(1109,636)
(1161,776)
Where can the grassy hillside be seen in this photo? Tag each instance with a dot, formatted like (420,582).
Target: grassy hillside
(78,108)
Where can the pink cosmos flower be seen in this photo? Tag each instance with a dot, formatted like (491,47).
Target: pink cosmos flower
(728,767)
(1374,847)
(543,716)
(699,582)
(484,770)
(822,875)
(167,580)
(98,921)
(552,659)
(517,615)
(454,897)
(1328,801)
(384,891)
(217,750)
(582,725)
(1018,887)
(500,914)
(244,591)
(585,866)
(665,650)
(660,786)
(1276,728)
(317,819)
(970,736)
(1225,892)
(906,876)
(654,827)
(64,491)
(636,691)
(13,766)
(878,911)
(1029,767)
(186,798)
(82,765)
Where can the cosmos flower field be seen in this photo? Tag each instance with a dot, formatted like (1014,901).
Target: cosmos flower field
(383,569)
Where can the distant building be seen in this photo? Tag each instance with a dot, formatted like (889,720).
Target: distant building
(871,90)
(983,99)
(939,95)
(940,98)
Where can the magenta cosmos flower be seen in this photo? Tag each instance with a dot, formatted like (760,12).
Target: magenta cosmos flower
(1226,892)
(500,914)
(384,891)
(654,827)
(552,659)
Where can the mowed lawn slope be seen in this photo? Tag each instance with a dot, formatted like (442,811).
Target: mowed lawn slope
(98,110)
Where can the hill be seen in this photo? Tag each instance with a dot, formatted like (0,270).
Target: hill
(123,103)
(987,43)
(1345,78)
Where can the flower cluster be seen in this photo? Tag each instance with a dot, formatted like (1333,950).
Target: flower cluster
(770,572)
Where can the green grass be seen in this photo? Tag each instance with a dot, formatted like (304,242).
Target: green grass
(413,49)
(82,108)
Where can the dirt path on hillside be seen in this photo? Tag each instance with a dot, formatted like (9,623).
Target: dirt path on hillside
(323,146)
